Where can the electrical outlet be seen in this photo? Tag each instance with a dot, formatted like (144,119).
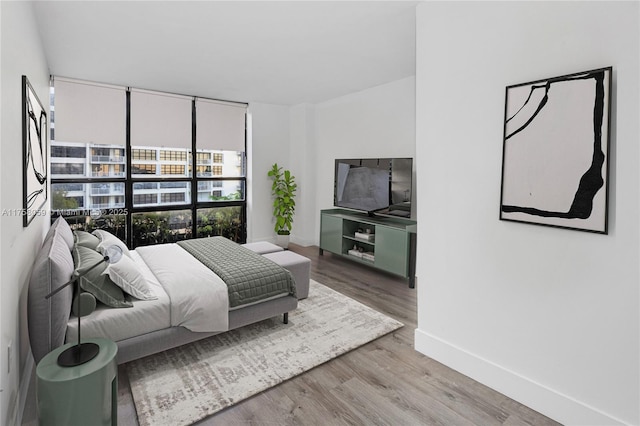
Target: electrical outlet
(9,360)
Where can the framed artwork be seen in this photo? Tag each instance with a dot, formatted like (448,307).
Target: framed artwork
(555,153)
(34,153)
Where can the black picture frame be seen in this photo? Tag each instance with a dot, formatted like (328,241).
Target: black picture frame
(555,155)
(34,153)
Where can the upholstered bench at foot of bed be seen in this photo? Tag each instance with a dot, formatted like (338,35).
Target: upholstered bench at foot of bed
(263,247)
(299,266)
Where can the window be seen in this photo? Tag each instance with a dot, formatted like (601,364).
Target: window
(67,169)
(203,157)
(172,197)
(203,171)
(71,198)
(167,185)
(78,200)
(105,202)
(143,154)
(164,193)
(145,185)
(108,154)
(173,155)
(225,221)
(163,167)
(143,169)
(172,169)
(107,170)
(139,199)
(68,151)
(161,227)
(107,188)
(69,187)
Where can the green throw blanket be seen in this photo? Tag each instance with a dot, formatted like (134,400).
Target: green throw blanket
(249,276)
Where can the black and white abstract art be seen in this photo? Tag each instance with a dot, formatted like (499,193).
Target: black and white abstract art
(34,153)
(556,151)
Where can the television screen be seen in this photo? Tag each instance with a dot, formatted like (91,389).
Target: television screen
(374,185)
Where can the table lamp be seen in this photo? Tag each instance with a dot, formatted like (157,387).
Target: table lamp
(81,353)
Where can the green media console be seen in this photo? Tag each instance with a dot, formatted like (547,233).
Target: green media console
(386,243)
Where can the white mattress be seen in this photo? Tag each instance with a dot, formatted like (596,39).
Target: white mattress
(122,323)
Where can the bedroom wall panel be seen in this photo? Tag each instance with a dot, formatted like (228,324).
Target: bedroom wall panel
(21,54)
(549,317)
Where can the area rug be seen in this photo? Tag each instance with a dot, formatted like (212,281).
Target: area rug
(189,383)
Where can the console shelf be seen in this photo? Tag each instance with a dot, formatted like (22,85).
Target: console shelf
(385,243)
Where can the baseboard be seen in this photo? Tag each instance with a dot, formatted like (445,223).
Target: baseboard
(549,402)
(25,380)
(302,241)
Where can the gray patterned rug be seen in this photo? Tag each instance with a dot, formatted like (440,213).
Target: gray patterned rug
(189,383)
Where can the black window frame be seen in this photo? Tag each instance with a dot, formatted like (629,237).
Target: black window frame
(130,180)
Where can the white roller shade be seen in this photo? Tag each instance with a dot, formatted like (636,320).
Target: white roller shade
(88,112)
(160,119)
(220,125)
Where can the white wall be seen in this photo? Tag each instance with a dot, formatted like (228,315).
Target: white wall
(21,54)
(377,122)
(268,144)
(374,123)
(302,158)
(549,317)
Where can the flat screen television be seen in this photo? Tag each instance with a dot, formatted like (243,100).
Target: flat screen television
(374,185)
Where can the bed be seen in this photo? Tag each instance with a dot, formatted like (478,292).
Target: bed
(185,297)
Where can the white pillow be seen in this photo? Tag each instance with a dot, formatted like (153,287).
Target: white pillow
(108,239)
(126,275)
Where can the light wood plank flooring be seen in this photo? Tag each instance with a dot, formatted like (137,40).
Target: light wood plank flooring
(385,382)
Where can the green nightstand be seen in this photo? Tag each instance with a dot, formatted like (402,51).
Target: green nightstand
(83,395)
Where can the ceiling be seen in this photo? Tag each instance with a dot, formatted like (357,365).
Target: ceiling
(288,52)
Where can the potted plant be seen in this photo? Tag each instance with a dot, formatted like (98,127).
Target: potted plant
(283,190)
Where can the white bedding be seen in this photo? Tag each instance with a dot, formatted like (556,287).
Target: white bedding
(119,324)
(189,295)
(199,298)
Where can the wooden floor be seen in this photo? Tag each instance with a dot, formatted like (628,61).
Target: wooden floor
(385,382)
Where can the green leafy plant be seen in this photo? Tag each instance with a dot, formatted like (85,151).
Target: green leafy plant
(283,190)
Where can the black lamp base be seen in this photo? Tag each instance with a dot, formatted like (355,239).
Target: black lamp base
(78,354)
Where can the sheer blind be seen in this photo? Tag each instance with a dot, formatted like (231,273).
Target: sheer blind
(220,125)
(89,112)
(160,119)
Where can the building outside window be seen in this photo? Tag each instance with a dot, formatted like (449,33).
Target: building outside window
(86,147)
(68,152)
(173,155)
(172,169)
(143,154)
(143,169)
(67,169)
(145,199)
(172,197)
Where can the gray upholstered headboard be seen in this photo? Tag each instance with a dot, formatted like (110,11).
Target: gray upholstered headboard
(52,268)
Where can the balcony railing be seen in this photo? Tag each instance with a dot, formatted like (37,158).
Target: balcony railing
(107,191)
(107,174)
(107,206)
(107,159)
